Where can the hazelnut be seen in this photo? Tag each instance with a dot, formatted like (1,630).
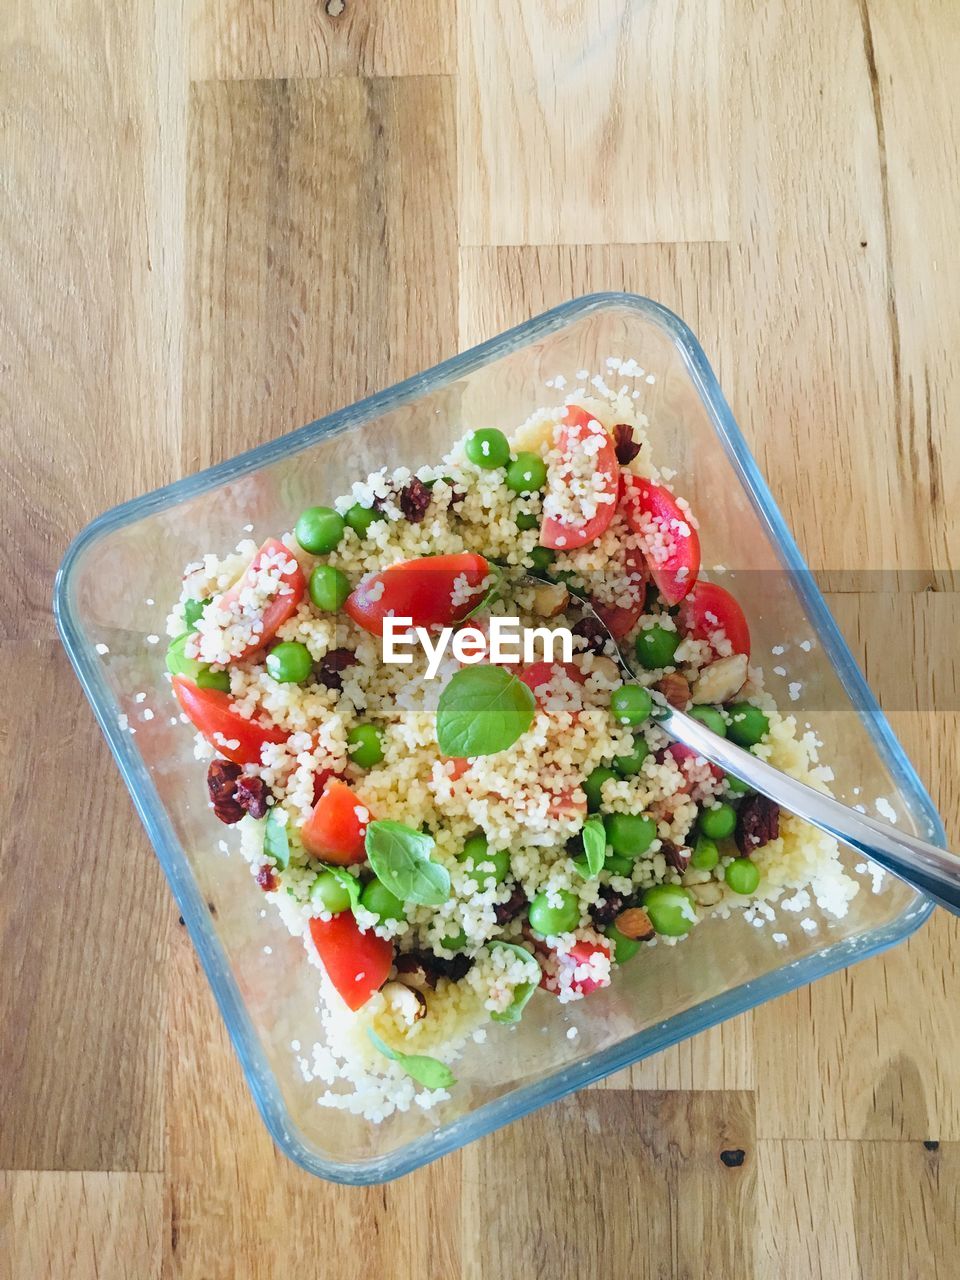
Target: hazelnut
(549,599)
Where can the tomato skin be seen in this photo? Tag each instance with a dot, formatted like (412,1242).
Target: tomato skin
(211,711)
(419,590)
(334,832)
(460,766)
(561,535)
(676,574)
(357,963)
(621,618)
(681,754)
(541,673)
(708,598)
(279,609)
(579,953)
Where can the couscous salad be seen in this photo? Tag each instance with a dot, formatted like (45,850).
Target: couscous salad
(458,834)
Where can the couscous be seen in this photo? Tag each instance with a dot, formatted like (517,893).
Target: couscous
(456,839)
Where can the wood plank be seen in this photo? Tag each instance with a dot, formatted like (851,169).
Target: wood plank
(260,40)
(91,282)
(602,122)
(83,1225)
(286,179)
(652,1196)
(804,1216)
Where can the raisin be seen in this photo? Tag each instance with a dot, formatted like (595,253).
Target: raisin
(457,496)
(251,795)
(625,446)
(331,666)
(222,777)
(267,879)
(606,910)
(414,499)
(439,967)
(675,855)
(758,822)
(591,630)
(509,910)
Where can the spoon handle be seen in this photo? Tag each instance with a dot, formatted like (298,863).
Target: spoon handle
(919,863)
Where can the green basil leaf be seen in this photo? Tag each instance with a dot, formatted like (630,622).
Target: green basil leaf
(522,992)
(350,884)
(430,1072)
(594,847)
(275,842)
(492,592)
(483,710)
(192,610)
(400,859)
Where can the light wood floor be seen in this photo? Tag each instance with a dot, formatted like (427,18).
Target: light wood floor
(222,218)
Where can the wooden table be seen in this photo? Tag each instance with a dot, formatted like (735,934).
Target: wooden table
(223,218)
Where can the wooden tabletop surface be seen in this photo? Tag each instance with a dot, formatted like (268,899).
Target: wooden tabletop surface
(223,218)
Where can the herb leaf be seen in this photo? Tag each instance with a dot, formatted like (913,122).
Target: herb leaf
(275,842)
(350,884)
(594,847)
(192,610)
(522,991)
(400,859)
(492,592)
(483,710)
(430,1072)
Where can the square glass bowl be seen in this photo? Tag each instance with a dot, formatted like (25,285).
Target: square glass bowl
(259,974)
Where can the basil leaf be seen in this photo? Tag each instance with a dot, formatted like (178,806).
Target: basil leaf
(492,592)
(430,1072)
(523,991)
(594,847)
(350,884)
(275,842)
(483,710)
(192,610)
(400,859)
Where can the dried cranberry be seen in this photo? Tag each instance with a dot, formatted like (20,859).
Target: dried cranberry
(414,499)
(675,855)
(331,666)
(758,822)
(625,446)
(251,794)
(591,630)
(509,910)
(605,911)
(457,496)
(222,776)
(438,966)
(267,879)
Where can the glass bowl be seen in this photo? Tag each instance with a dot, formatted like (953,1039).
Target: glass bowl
(259,974)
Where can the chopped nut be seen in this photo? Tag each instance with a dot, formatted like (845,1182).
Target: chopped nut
(707,894)
(412,973)
(550,598)
(634,923)
(721,680)
(408,1002)
(758,822)
(606,669)
(675,688)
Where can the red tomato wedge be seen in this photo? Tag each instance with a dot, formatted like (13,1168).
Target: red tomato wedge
(336,831)
(423,590)
(460,766)
(213,713)
(670,542)
(576,434)
(621,618)
(282,605)
(357,963)
(687,762)
(710,609)
(561,965)
(541,673)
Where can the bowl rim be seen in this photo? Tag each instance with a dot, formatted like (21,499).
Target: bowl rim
(518,1102)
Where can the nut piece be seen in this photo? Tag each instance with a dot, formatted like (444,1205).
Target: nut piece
(635,923)
(707,894)
(721,680)
(411,1005)
(411,973)
(549,599)
(675,688)
(605,668)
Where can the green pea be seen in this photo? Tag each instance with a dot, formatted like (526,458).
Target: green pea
(319,530)
(670,908)
(631,704)
(329,588)
(548,920)
(474,849)
(705,854)
(737,785)
(655,647)
(527,473)
(541,558)
(747,724)
(454,941)
(289,662)
(360,518)
(742,875)
(710,717)
(477,868)
(210,679)
(488,448)
(618,865)
(718,823)
(629,834)
(624,949)
(328,893)
(632,763)
(380,902)
(526,520)
(365,745)
(593,784)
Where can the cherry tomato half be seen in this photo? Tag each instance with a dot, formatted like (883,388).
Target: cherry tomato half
(428,591)
(336,830)
(578,433)
(710,609)
(621,618)
(559,965)
(213,713)
(283,604)
(670,541)
(357,963)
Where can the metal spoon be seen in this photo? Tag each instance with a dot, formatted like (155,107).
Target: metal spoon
(917,862)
